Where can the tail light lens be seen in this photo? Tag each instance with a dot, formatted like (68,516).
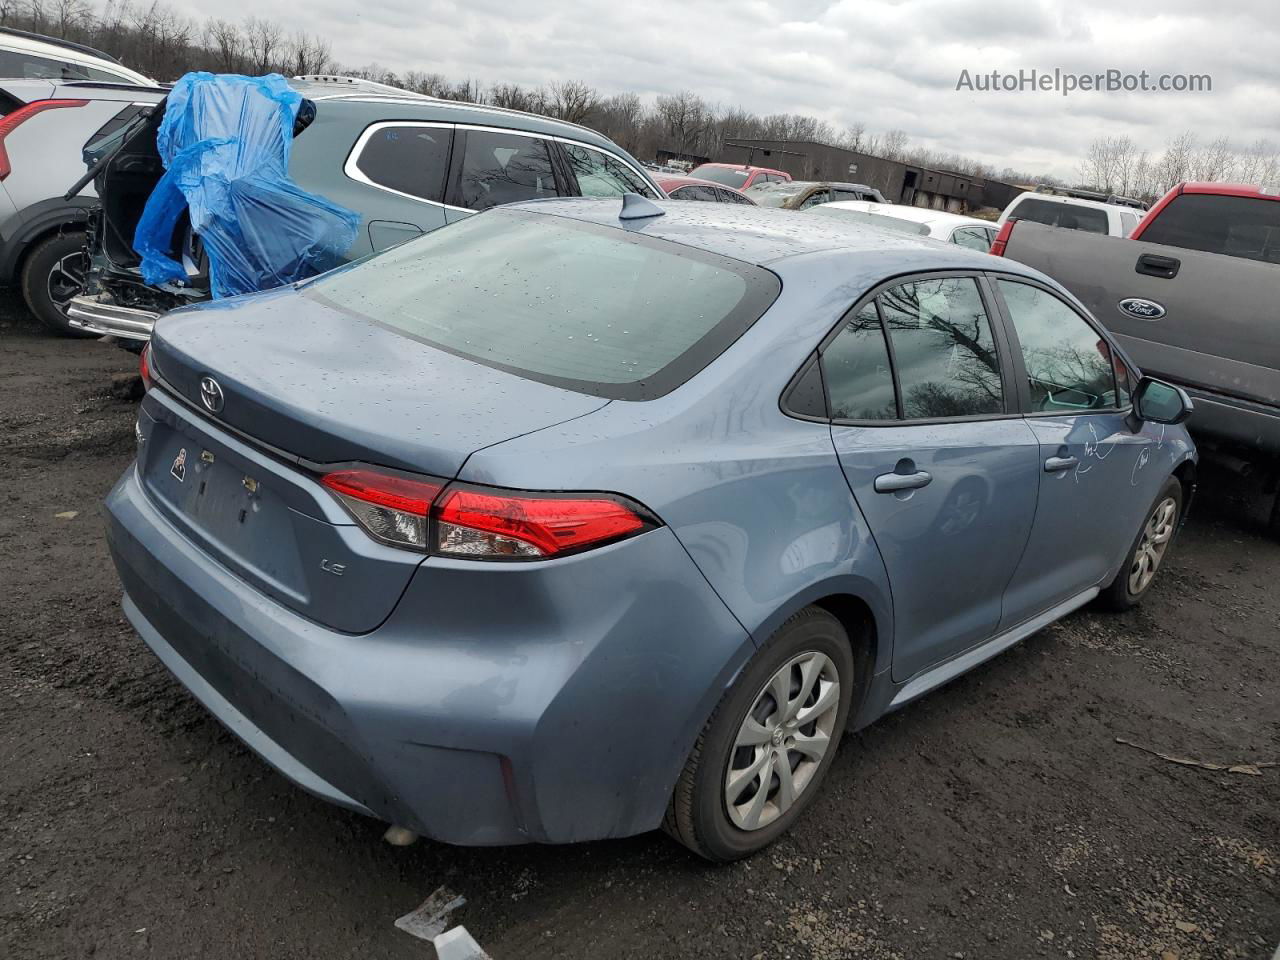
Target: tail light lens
(497,524)
(482,523)
(391,507)
(144,367)
(18,117)
(1002,239)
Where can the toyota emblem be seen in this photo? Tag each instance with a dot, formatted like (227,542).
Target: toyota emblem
(211,394)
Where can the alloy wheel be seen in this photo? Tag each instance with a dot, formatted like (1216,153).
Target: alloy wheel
(1151,548)
(782,741)
(66,279)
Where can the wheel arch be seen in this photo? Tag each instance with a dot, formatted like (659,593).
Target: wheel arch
(43,220)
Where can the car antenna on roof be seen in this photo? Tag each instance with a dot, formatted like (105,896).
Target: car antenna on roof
(636,207)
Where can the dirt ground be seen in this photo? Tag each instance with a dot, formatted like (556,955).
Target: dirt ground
(997,818)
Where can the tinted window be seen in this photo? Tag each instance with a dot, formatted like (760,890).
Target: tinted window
(1069,366)
(975,238)
(696,192)
(600,175)
(31,67)
(591,308)
(502,168)
(856,368)
(408,159)
(111,131)
(1246,227)
(1068,215)
(943,349)
(815,199)
(839,194)
(732,196)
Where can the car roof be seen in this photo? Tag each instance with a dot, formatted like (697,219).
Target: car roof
(1074,202)
(671,182)
(741,166)
(904,212)
(412,106)
(762,235)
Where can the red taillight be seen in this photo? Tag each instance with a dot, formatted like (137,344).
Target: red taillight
(391,507)
(1002,239)
(144,367)
(481,523)
(12,121)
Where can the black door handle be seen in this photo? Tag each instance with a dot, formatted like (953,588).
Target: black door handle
(1154,265)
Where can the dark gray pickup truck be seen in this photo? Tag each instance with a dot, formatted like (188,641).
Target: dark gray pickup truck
(1194,297)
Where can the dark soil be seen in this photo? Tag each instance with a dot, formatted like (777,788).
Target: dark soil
(997,818)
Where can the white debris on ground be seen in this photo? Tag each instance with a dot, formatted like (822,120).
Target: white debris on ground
(430,919)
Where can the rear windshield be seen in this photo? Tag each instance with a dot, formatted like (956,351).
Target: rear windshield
(595,309)
(729,176)
(1247,227)
(1068,215)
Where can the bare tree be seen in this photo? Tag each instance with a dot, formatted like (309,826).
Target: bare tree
(685,117)
(263,39)
(854,134)
(571,100)
(224,41)
(894,145)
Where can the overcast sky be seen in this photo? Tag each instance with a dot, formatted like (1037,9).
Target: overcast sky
(887,64)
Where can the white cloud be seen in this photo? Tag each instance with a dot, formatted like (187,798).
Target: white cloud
(885,63)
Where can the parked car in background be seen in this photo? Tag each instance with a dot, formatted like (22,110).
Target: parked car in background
(740,176)
(802,194)
(1073,213)
(48,129)
(691,188)
(730,510)
(407,164)
(32,56)
(948,227)
(1192,298)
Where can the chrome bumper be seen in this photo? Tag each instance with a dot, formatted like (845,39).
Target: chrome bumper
(87,313)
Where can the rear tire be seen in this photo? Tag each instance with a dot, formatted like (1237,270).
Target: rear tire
(52,274)
(723,808)
(1149,550)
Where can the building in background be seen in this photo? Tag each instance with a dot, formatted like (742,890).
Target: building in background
(899,181)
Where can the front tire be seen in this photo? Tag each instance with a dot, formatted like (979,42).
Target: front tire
(1149,550)
(764,753)
(52,274)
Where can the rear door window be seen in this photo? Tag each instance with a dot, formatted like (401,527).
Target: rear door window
(588,307)
(411,159)
(1247,227)
(943,349)
(732,196)
(31,67)
(1067,215)
(856,369)
(815,199)
(600,175)
(499,167)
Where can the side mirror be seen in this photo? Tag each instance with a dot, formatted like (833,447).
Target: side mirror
(1158,402)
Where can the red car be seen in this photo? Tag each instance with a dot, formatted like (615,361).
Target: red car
(691,188)
(738,175)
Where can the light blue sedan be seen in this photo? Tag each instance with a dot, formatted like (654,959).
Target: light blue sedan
(578,518)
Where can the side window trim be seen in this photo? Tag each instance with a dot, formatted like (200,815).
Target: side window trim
(352,169)
(1015,345)
(1008,381)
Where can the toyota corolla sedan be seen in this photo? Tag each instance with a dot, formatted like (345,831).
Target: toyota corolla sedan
(578,518)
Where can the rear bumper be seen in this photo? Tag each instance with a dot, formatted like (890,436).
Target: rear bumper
(107,319)
(552,702)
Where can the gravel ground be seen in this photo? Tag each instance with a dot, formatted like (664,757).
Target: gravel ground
(997,818)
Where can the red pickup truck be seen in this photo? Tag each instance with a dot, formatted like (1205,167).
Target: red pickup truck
(1191,295)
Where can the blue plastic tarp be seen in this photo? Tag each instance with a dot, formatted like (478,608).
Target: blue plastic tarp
(224,141)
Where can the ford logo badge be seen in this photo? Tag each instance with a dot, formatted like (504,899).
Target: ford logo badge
(211,394)
(1141,309)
